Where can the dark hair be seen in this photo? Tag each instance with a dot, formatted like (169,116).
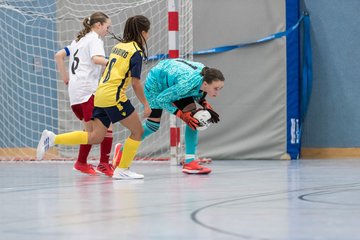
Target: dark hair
(88,22)
(133,29)
(210,74)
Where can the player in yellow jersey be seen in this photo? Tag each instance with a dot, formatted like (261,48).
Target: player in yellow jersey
(111,104)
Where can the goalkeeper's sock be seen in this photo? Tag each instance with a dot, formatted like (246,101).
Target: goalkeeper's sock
(191,141)
(149,128)
(130,148)
(72,138)
(105,147)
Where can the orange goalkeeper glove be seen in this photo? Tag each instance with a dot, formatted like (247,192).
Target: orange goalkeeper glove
(187,117)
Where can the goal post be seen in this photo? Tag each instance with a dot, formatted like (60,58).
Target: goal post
(32,95)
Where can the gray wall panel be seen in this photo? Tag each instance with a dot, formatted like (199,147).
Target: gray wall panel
(253,102)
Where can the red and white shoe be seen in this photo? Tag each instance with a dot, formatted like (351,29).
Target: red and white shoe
(193,167)
(85,168)
(117,155)
(105,168)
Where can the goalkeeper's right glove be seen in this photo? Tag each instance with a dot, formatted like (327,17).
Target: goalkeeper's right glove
(188,118)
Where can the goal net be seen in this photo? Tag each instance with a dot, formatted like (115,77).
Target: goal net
(33,97)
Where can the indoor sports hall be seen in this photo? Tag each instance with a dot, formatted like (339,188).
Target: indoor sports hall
(284,157)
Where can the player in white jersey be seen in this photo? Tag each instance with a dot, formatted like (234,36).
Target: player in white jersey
(83,72)
(86,61)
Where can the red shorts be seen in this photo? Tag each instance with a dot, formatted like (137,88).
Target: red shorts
(84,110)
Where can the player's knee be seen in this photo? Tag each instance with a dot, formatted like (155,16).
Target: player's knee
(95,139)
(136,134)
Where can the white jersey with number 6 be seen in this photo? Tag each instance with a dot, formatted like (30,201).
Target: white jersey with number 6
(84,74)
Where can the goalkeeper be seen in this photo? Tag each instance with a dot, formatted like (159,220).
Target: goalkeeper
(175,85)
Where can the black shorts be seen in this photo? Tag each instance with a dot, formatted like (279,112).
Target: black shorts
(113,114)
(180,104)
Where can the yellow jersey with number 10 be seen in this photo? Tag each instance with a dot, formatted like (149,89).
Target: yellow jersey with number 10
(124,63)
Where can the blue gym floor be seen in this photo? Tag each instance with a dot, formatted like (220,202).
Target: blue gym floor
(306,199)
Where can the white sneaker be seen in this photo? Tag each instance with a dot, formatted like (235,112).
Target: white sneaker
(46,142)
(125,173)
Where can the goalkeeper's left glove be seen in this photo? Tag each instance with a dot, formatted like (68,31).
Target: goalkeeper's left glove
(215,118)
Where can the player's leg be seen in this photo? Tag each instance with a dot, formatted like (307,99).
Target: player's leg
(151,91)
(131,146)
(105,146)
(95,136)
(125,113)
(49,139)
(192,166)
(191,137)
(152,123)
(150,126)
(191,140)
(83,112)
(105,149)
(101,123)
(81,164)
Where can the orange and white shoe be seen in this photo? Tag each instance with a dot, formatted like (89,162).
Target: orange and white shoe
(201,160)
(204,160)
(193,167)
(117,155)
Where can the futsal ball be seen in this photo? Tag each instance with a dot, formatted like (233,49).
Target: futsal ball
(203,116)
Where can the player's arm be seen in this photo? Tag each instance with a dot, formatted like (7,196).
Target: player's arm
(97,52)
(135,69)
(139,92)
(100,60)
(60,64)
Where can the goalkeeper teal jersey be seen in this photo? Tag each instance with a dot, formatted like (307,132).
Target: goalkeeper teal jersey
(171,80)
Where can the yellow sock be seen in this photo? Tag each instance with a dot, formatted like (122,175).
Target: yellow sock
(130,148)
(72,138)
